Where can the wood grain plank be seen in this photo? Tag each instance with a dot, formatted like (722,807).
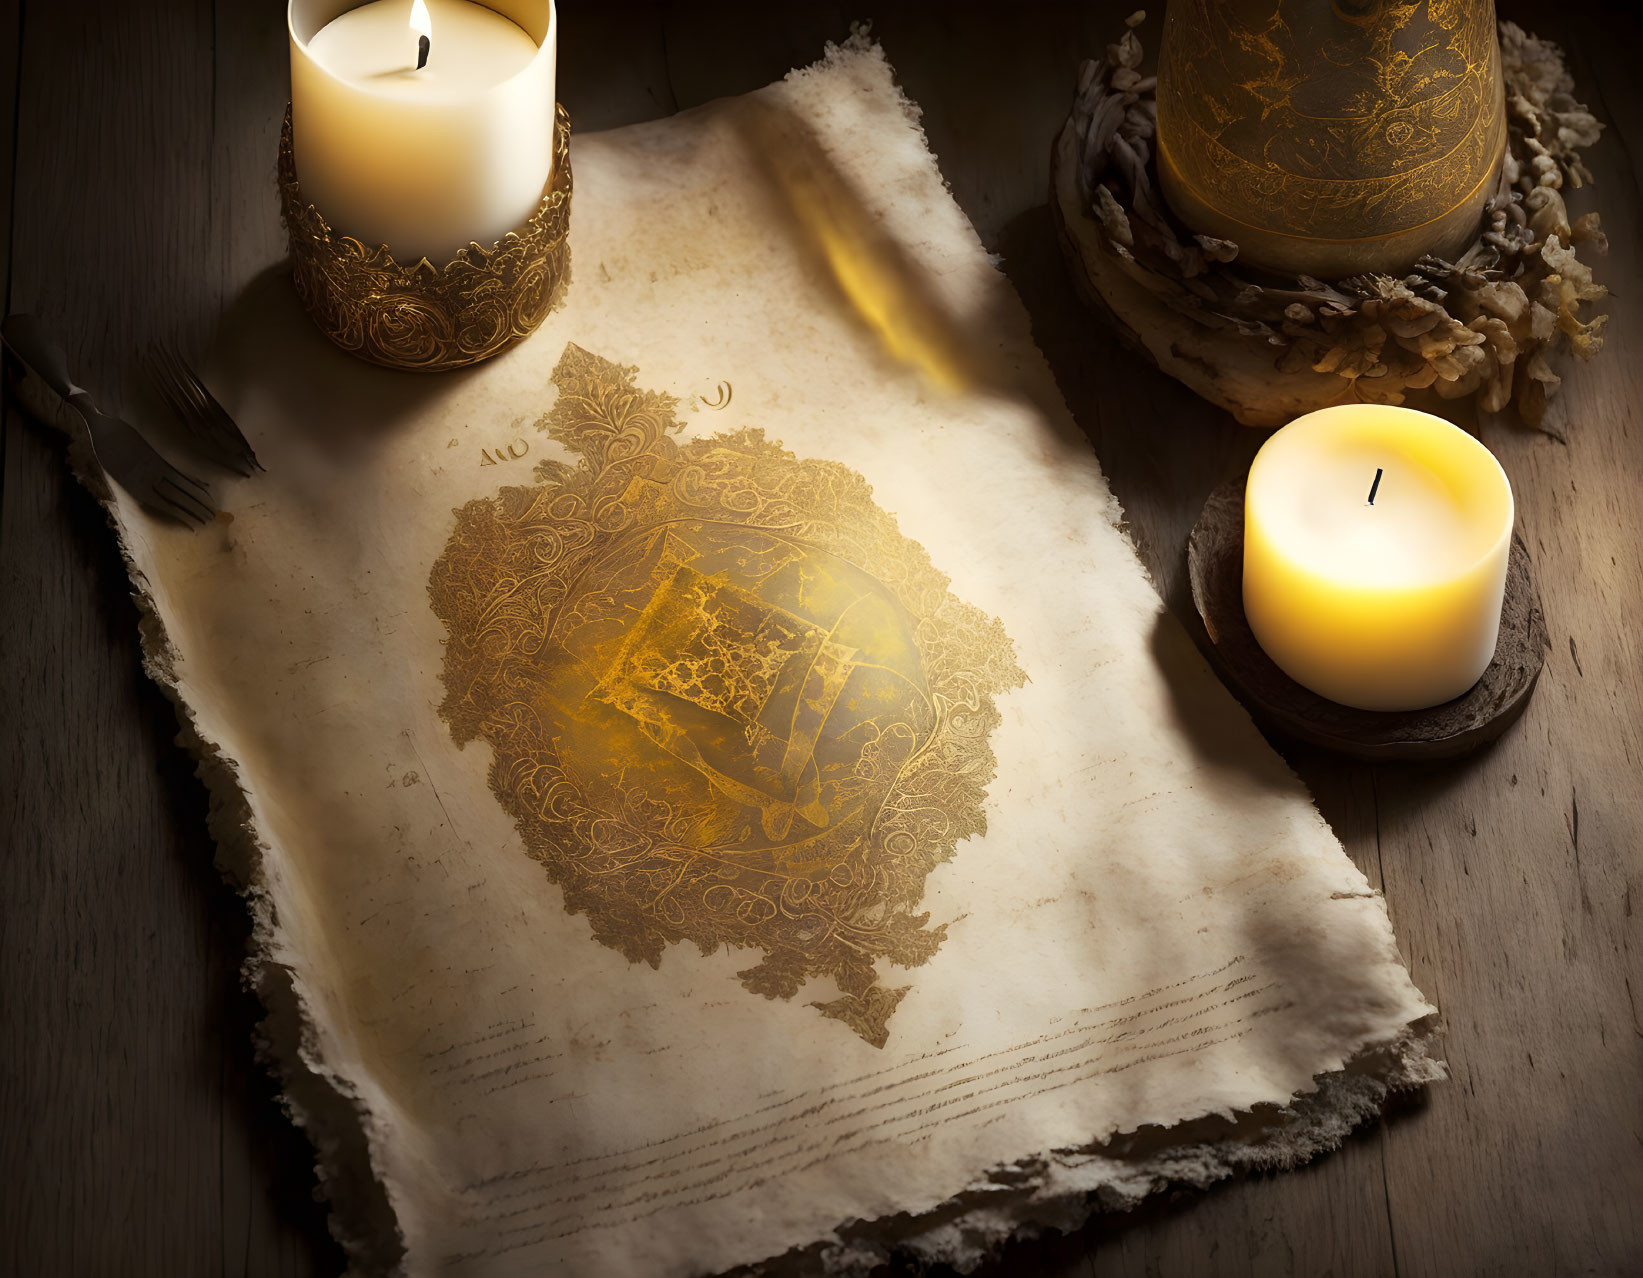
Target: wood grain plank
(101,963)
(11,32)
(270,1220)
(141,1136)
(1518,871)
(612,65)
(120,949)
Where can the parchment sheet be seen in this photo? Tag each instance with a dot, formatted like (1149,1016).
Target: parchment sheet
(1119,946)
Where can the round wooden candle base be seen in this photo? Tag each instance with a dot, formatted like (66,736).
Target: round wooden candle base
(1215,566)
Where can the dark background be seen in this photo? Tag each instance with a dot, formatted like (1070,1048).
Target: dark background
(138,1134)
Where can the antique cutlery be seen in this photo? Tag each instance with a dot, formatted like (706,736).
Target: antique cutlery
(124,455)
(208,423)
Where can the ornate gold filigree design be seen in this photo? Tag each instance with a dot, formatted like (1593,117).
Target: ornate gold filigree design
(1329,137)
(424,317)
(730,702)
(1487,324)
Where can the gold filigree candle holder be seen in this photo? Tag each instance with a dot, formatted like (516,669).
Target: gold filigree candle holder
(424,317)
(1487,323)
(1332,138)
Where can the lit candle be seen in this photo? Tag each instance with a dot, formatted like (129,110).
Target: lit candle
(423,124)
(1375,549)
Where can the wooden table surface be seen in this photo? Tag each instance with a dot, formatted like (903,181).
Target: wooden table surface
(138,1135)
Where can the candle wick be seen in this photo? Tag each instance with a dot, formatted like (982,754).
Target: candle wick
(1375,487)
(422,46)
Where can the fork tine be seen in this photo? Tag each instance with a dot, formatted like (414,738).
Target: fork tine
(184,498)
(194,518)
(186,484)
(199,484)
(169,391)
(185,394)
(210,407)
(222,417)
(164,376)
(166,506)
(167,372)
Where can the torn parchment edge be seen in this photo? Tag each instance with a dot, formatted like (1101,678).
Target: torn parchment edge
(1056,1190)
(316,1097)
(1060,1190)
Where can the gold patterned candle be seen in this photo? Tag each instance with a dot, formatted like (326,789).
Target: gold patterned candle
(1331,137)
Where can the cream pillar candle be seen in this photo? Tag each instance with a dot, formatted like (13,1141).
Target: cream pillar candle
(423,160)
(1375,548)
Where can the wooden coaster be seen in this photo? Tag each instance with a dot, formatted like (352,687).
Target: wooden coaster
(1215,566)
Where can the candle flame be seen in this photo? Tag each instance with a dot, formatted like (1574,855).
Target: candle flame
(420,21)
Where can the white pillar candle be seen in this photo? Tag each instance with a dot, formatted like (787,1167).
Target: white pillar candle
(1384,604)
(424,161)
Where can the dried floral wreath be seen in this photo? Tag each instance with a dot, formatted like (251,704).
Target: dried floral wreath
(1487,325)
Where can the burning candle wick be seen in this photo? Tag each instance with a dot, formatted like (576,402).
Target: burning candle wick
(1375,487)
(423,25)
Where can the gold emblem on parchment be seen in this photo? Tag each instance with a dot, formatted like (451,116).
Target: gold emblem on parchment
(730,702)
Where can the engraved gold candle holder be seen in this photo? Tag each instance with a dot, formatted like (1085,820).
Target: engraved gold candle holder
(423,317)
(1331,137)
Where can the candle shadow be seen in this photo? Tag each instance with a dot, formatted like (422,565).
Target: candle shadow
(1161,447)
(268,357)
(1217,725)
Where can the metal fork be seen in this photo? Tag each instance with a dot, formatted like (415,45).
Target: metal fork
(123,454)
(208,423)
